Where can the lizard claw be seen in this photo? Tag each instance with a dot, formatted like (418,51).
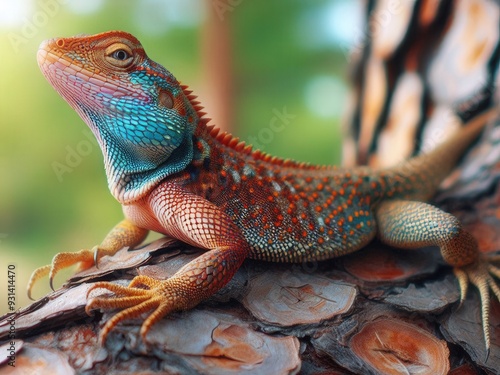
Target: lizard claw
(36,275)
(481,274)
(161,297)
(85,259)
(95,249)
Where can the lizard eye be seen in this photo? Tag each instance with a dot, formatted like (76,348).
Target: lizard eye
(119,55)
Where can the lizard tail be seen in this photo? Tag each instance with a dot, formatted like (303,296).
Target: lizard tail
(420,177)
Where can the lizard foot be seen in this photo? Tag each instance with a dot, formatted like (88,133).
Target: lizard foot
(162,296)
(481,274)
(85,258)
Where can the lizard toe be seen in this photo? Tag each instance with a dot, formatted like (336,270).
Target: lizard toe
(142,280)
(463,282)
(84,258)
(35,276)
(138,306)
(480,275)
(494,271)
(160,297)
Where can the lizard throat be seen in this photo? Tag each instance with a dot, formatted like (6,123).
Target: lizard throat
(129,182)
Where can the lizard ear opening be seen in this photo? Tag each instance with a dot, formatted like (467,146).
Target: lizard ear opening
(165,99)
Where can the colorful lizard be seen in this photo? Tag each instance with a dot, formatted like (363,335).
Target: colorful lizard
(176,175)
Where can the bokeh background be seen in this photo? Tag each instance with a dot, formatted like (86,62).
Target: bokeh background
(247,61)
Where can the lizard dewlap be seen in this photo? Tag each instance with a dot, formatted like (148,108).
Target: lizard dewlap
(176,175)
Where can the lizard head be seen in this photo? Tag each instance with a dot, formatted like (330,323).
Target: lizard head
(137,110)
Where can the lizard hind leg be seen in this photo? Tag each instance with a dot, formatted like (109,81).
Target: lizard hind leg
(410,225)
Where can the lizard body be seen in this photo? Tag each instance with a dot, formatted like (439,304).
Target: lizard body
(176,175)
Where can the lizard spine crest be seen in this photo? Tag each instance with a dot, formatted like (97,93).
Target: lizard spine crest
(228,140)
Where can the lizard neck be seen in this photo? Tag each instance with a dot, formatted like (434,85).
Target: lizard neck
(132,172)
(130,180)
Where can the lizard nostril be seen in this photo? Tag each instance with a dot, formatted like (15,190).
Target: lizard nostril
(60,43)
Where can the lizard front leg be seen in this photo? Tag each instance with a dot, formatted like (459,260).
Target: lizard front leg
(408,224)
(124,234)
(194,220)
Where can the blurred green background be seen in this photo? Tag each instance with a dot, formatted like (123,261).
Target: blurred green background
(283,54)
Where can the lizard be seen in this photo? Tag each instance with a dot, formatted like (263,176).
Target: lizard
(176,174)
